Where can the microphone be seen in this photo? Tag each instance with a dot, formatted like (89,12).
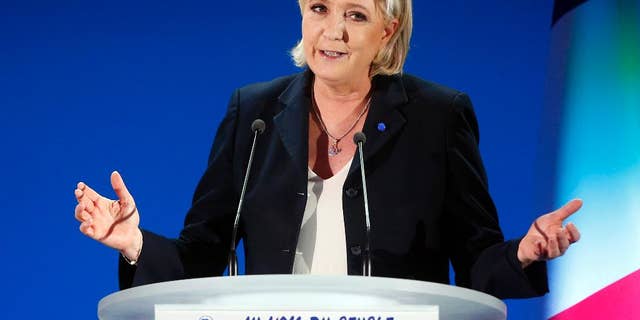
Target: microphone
(359,138)
(257,127)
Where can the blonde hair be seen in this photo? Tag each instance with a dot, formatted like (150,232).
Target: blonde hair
(389,59)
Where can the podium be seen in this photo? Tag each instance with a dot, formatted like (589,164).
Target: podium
(306,297)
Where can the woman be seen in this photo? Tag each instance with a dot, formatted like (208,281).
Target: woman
(304,213)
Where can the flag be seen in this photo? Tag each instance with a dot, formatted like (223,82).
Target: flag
(591,150)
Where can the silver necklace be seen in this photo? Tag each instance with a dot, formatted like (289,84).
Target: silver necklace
(334,149)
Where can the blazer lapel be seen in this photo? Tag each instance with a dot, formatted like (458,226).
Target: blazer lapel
(384,120)
(293,121)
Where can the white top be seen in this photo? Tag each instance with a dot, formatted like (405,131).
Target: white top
(322,245)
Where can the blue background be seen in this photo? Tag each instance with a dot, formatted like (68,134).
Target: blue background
(87,87)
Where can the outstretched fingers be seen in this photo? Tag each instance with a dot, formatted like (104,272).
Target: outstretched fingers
(81,213)
(574,234)
(548,238)
(87,229)
(540,250)
(85,190)
(88,204)
(553,247)
(567,210)
(558,243)
(563,241)
(117,183)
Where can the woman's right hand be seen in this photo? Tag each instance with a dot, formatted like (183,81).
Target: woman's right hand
(111,222)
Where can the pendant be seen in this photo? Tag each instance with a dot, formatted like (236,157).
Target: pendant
(334,149)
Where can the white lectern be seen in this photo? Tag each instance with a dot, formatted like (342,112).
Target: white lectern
(303,297)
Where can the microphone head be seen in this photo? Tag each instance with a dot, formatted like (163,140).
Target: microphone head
(359,137)
(258,125)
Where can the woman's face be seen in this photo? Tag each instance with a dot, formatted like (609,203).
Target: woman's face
(342,37)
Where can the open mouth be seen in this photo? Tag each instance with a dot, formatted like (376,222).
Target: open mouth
(332,54)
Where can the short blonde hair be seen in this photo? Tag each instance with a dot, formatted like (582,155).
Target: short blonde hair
(391,58)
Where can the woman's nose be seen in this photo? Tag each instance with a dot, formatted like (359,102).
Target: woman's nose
(335,28)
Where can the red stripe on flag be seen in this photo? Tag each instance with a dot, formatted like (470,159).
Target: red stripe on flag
(619,300)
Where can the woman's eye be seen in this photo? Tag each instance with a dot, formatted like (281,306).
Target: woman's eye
(318,8)
(356,16)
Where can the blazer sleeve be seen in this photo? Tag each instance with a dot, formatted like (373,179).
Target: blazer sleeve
(481,259)
(203,245)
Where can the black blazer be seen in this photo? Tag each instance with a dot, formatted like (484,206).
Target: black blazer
(427,188)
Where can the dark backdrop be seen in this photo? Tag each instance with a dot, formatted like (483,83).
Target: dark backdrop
(87,87)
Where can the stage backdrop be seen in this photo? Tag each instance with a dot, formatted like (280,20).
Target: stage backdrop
(87,87)
(592,139)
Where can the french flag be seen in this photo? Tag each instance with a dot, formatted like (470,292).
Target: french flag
(591,146)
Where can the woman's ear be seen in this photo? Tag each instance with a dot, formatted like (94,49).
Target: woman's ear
(390,29)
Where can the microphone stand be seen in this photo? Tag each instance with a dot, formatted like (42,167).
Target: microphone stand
(257,127)
(359,139)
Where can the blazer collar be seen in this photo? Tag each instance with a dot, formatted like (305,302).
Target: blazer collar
(383,122)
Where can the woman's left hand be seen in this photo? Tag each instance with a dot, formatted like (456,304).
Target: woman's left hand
(548,238)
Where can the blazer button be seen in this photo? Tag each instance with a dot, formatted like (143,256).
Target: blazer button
(352,192)
(356,251)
